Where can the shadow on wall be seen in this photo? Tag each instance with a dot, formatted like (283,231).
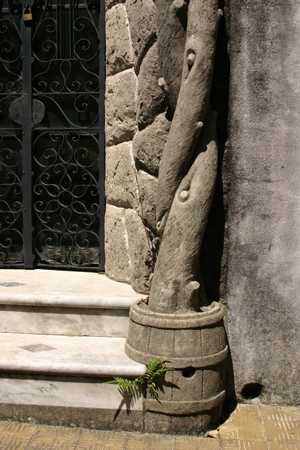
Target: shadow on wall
(214,249)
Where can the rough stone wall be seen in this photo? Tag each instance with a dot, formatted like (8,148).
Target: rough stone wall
(264,214)
(136,129)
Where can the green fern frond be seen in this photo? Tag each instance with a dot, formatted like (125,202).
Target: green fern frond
(156,369)
(124,382)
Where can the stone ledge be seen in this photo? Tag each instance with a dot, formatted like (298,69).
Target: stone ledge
(64,289)
(66,355)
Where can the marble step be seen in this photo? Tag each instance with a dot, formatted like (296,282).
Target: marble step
(66,355)
(60,379)
(64,303)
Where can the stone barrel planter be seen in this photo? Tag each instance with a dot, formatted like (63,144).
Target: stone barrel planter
(195,345)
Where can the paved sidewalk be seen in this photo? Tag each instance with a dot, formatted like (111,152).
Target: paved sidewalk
(248,428)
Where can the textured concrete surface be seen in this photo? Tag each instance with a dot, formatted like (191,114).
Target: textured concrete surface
(264,214)
(139,251)
(147,190)
(248,428)
(121,183)
(119,55)
(141,15)
(151,97)
(117,261)
(148,144)
(120,107)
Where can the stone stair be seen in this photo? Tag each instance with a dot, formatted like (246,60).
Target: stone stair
(62,337)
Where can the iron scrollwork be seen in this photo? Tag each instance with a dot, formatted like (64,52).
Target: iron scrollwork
(66,67)
(67,198)
(11,240)
(65,96)
(66,146)
(11,198)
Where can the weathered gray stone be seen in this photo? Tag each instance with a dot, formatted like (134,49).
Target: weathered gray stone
(110,3)
(141,14)
(192,104)
(148,144)
(121,183)
(139,252)
(264,214)
(147,195)
(171,23)
(120,108)
(151,98)
(175,286)
(117,263)
(119,54)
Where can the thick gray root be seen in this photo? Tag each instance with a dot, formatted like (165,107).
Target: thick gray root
(173,286)
(203,18)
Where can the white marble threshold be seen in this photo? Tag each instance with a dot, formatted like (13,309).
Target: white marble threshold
(56,288)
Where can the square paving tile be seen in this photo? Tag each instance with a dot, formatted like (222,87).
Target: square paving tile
(244,423)
(16,436)
(196,443)
(43,438)
(93,440)
(66,439)
(138,441)
(242,444)
(186,442)
(281,424)
(116,441)
(283,446)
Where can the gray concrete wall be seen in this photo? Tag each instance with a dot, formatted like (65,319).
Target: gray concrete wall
(264,203)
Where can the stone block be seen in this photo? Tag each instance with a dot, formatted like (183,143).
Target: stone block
(117,264)
(139,252)
(148,144)
(171,37)
(147,192)
(151,98)
(120,109)
(119,54)
(110,3)
(141,14)
(121,185)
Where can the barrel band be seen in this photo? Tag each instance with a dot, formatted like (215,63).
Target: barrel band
(199,362)
(141,314)
(179,408)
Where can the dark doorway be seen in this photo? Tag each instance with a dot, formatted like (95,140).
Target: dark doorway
(52,134)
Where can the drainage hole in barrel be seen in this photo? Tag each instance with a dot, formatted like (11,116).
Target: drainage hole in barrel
(251,390)
(188,372)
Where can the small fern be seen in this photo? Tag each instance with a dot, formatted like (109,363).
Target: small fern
(123,382)
(156,369)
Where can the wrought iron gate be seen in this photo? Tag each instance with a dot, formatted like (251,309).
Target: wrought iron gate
(52,133)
